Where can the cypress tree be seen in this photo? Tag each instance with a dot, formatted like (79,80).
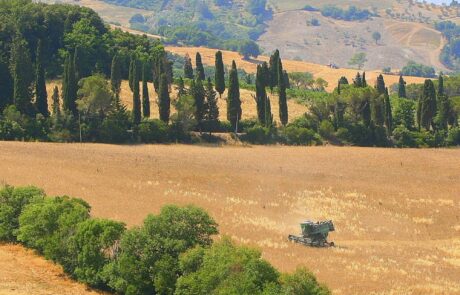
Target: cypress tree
(220,74)
(233,100)
(164,99)
(136,97)
(443,113)
(402,87)
(56,105)
(286,80)
(131,74)
(188,68)
(388,113)
(199,67)
(261,95)
(364,79)
(77,66)
(6,82)
(22,73)
(378,110)
(268,113)
(145,92)
(69,86)
(282,95)
(343,80)
(441,85)
(115,77)
(380,85)
(265,75)
(181,91)
(274,71)
(358,81)
(427,105)
(41,97)
(198,93)
(212,110)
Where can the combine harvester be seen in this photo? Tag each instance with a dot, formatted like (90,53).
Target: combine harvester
(314,234)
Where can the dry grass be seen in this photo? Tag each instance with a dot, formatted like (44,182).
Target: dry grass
(23,273)
(248,102)
(396,211)
(328,74)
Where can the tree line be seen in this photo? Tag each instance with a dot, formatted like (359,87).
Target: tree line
(172,252)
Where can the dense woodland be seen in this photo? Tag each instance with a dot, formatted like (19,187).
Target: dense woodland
(170,253)
(72,43)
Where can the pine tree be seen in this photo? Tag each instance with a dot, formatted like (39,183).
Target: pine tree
(22,73)
(41,97)
(364,82)
(274,71)
(220,74)
(188,68)
(233,100)
(145,92)
(115,77)
(164,99)
(181,91)
(261,95)
(6,82)
(441,85)
(198,93)
(282,95)
(131,74)
(402,87)
(427,105)
(199,67)
(56,105)
(69,86)
(212,110)
(358,81)
(136,97)
(388,113)
(380,85)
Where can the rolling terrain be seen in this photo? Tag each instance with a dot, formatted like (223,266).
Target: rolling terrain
(395,211)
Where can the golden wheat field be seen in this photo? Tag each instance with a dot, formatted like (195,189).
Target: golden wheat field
(396,211)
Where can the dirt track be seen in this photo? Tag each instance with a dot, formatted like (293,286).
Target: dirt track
(396,211)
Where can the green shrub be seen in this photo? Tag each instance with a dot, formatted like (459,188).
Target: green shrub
(343,134)
(91,248)
(153,131)
(326,129)
(302,282)
(48,225)
(12,202)
(453,136)
(258,135)
(300,136)
(404,138)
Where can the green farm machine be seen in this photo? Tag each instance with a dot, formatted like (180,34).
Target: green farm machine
(314,234)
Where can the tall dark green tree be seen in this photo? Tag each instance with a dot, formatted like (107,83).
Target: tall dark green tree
(261,95)
(56,104)
(181,91)
(199,67)
(444,111)
(69,86)
(440,85)
(145,91)
(198,93)
(265,74)
(116,77)
(426,109)
(164,99)
(131,73)
(212,109)
(188,68)
(378,110)
(388,113)
(233,100)
(358,81)
(380,85)
(41,97)
(6,81)
(343,80)
(364,82)
(137,114)
(76,64)
(402,87)
(23,77)
(220,74)
(274,71)
(283,108)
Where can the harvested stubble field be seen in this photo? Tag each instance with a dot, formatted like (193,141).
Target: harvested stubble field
(396,211)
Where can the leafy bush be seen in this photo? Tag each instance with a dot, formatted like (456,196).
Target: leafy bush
(326,129)
(258,135)
(403,138)
(351,14)
(302,282)
(153,131)
(300,136)
(48,225)
(453,136)
(12,201)
(91,248)
(414,69)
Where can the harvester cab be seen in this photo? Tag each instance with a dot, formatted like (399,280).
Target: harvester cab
(314,234)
